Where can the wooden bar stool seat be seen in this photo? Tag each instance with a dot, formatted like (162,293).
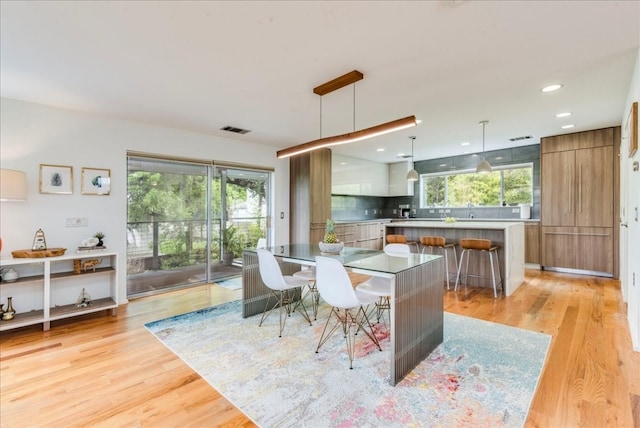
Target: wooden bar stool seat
(485,246)
(401,239)
(439,242)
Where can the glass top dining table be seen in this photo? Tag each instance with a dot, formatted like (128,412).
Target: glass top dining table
(417,282)
(372,262)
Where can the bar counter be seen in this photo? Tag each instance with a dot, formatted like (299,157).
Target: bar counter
(508,236)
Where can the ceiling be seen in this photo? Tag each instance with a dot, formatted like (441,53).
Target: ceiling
(201,66)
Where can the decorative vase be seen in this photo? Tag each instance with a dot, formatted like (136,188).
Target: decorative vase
(10,275)
(328,248)
(10,312)
(100,243)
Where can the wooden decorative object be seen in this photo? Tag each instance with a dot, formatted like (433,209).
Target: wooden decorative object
(632,128)
(338,82)
(91,264)
(26,254)
(77,267)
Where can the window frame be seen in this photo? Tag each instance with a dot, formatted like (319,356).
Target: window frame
(500,168)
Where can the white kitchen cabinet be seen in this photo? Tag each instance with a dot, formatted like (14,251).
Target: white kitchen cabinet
(352,176)
(398,184)
(47,288)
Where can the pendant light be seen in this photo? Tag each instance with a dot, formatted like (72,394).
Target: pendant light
(484,167)
(412,175)
(350,137)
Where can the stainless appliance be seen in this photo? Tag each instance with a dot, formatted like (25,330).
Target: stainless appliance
(404,211)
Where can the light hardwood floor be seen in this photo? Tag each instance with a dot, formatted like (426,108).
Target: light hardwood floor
(108,371)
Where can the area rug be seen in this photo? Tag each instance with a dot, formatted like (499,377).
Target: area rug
(234,283)
(483,374)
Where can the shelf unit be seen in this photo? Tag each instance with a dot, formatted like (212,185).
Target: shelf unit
(48,288)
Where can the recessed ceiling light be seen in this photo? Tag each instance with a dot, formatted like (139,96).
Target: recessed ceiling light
(565,114)
(571,125)
(343,163)
(466,143)
(552,88)
(380,150)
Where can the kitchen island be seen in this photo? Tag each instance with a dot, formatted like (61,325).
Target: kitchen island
(508,236)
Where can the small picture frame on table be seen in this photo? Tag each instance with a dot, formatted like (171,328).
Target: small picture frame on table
(96,181)
(56,179)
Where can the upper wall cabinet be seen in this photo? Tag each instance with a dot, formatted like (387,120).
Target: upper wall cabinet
(577,179)
(352,176)
(398,184)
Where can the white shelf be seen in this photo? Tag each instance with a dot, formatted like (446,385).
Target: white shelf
(48,288)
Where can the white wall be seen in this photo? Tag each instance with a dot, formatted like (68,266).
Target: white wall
(32,134)
(630,204)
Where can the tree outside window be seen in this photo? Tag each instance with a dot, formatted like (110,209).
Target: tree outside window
(509,185)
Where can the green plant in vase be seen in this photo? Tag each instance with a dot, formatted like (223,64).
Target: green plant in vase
(99,236)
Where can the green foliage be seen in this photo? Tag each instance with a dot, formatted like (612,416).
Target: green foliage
(459,190)
(231,240)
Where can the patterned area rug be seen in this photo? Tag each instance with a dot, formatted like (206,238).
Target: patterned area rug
(483,374)
(234,283)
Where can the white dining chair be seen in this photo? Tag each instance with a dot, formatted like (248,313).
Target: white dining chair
(262,243)
(381,287)
(309,274)
(347,304)
(285,288)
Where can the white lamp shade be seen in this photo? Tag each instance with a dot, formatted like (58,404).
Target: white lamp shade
(412,175)
(483,167)
(13,185)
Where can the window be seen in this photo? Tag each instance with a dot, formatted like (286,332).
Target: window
(507,185)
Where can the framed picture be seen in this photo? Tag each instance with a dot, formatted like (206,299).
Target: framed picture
(96,181)
(56,179)
(632,128)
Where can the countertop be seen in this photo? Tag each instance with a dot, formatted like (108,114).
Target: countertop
(457,225)
(458,220)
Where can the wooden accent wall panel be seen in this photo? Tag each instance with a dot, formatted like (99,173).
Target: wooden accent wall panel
(310,194)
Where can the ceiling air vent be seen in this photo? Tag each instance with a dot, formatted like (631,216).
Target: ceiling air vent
(234,129)
(526,137)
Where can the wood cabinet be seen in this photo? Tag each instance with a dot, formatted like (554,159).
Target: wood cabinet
(583,248)
(310,195)
(48,289)
(578,200)
(369,235)
(532,243)
(577,187)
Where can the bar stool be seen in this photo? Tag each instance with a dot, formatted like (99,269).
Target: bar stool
(440,242)
(485,246)
(401,239)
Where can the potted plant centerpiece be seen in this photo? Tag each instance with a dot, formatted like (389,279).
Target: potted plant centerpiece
(330,243)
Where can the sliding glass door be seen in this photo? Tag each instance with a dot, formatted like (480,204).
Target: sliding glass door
(175,212)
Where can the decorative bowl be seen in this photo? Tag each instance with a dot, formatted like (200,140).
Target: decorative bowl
(328,248)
